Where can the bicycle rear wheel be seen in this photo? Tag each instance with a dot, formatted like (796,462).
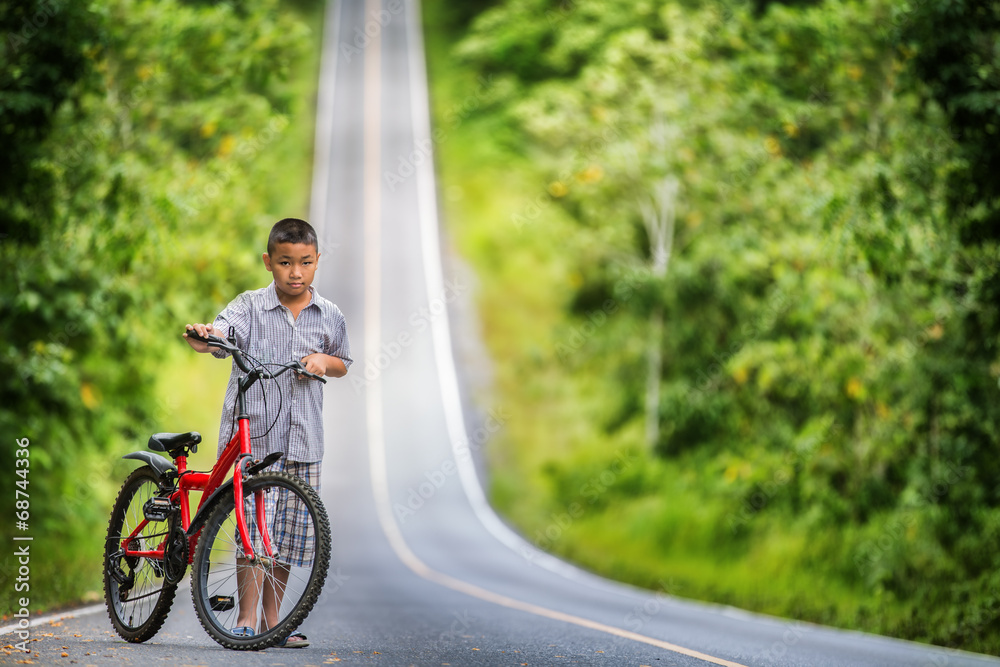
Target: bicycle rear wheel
(137,595)
(273,594)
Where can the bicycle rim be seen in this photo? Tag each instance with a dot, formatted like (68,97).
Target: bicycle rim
(231,592)
(137,596)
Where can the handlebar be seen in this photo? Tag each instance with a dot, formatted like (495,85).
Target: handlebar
(228,346)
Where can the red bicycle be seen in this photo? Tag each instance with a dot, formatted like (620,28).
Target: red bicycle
(258,544)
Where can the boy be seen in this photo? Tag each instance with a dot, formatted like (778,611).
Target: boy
(284,321)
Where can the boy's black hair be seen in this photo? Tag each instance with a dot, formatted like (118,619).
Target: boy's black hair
(292,230)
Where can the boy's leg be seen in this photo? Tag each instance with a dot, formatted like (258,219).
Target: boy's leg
(249,582)
(274,591)
(250,577)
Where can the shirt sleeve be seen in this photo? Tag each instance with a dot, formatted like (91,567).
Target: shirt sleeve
(337,343)
(236,315)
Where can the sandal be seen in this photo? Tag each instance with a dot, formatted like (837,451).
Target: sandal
(301,642)
(243,631)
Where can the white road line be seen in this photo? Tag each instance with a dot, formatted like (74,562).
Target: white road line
(441,331)
(322,145)
(52,618)
(441,326)
(448,377)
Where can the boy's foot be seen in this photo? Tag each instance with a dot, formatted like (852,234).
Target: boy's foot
(294,640)
(243,631)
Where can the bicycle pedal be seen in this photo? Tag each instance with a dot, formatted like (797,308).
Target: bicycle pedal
(157,509)
(221,602)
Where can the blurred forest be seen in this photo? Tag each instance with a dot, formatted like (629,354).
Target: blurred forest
(740,271)
(144,156)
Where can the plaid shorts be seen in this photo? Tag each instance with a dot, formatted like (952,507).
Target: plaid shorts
(293,535)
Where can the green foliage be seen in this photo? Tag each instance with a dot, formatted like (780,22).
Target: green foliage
(954,53)
(830,342)
(43,60)
(139,132)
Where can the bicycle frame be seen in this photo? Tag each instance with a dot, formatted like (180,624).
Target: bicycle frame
(207,482)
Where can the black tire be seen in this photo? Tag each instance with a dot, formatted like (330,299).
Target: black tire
(215,572)
(138,606)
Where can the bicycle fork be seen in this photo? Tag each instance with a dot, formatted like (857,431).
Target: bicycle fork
(260,515)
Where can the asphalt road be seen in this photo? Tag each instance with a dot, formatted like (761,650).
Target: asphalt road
(423,572)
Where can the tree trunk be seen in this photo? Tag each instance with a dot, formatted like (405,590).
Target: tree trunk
(658,214)
(654,371)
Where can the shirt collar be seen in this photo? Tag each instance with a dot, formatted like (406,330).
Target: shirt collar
(271,297)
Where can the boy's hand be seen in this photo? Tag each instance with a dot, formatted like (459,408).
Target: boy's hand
(324,365)
(203,330)
(315,363)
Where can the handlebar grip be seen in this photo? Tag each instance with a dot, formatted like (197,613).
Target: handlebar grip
(211,340)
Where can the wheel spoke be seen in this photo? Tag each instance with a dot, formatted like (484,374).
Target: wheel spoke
(269,594)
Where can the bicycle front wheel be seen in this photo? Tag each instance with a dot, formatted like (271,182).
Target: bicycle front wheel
(272,593)
(137,595)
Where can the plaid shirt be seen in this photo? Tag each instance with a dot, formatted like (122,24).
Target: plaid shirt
(267,331)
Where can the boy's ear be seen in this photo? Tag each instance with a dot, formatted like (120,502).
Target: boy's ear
(267,261)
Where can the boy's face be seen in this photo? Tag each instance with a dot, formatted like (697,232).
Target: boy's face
(293,266)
